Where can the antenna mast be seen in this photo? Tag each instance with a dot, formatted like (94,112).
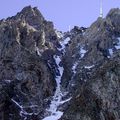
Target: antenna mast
(101,8)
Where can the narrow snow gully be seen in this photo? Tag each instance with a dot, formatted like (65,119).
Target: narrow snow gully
(55,114)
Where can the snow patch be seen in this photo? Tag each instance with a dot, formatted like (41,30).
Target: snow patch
(30,27)
(8,81)
(43,38)
(118,44)
(59,34)
(58,60)
(37,50)
(74,67)
(18,36)
(110,52)
(55,116)
(82,52)
(83,33)
(64,43)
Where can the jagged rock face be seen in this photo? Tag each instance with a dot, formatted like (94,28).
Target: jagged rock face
(94,46)
(92,71)
(30,52)
(98,98)
(24,39)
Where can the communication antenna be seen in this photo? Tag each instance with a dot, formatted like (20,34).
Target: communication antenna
(101,8)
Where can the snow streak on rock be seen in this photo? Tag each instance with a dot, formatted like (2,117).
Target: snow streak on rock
(59,34)
(63,44)
(55,115)
(23,113)
(89,67)
(74,67)
(117,46)
(57,98)
(82,52)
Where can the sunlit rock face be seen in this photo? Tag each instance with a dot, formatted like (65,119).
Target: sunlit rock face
(49,75)
(24,39)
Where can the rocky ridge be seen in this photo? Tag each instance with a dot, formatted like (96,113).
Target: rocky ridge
(24,43)
(91,71)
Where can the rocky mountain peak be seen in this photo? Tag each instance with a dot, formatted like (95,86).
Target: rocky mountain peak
(27,10)
(30,12)
(114,12)
(32,16)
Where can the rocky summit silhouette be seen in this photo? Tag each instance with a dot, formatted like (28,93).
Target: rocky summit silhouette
(46,74)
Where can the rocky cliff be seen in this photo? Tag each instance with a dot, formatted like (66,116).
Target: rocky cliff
(50,75)
(92,71)
(25,76)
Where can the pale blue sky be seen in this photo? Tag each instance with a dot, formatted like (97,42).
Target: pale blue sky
(62,12)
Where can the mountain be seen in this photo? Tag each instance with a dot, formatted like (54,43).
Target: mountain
(50,75)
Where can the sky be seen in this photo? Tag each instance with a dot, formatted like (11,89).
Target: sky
(63,13)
